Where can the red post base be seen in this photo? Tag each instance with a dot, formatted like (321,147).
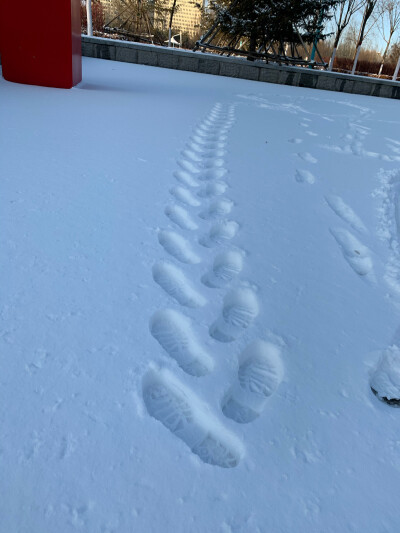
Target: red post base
(41,42)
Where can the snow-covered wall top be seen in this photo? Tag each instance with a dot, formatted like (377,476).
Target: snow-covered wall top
(236,67)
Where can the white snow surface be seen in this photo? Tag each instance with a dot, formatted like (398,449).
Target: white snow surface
(155,224)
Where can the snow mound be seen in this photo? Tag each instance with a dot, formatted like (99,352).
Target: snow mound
(385,381)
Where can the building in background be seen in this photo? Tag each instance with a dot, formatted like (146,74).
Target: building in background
(109,9)
(186,19)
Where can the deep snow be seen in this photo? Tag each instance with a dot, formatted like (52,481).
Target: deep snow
(200,277)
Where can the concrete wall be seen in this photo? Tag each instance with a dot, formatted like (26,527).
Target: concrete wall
(157,56)
(236,67)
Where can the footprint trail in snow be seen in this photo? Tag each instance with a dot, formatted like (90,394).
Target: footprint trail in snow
(174,333)
(240,308)
(260,373)
(178,247)
(345,212)
(181,217)
(356,254)
(226,267)
(174,282)
(201,201)
(305,176)
(199,193)
(181,412)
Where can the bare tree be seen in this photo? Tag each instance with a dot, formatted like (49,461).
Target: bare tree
(369,9)
(348,42)
(394,58)
(394,52)
(389,24)
(396,70)
(343,15)
(140,20)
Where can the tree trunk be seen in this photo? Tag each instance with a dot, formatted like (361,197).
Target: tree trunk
(384,55)
(332,59)
(370,6)
(335,47)
(89,17)
(353,70)
(252,45)
(337,38)
(170,23)
(396,72)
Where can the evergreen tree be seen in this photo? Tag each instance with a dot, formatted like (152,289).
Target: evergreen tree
(262,21)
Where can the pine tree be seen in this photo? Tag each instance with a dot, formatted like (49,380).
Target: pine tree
(261,21)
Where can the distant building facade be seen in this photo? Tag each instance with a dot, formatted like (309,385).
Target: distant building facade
(186,19)
(109,8)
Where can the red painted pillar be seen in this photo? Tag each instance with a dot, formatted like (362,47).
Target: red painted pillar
(40,42)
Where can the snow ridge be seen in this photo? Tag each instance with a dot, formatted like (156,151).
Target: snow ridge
(388,193)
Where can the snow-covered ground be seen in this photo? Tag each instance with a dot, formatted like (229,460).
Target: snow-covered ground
(199,277)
